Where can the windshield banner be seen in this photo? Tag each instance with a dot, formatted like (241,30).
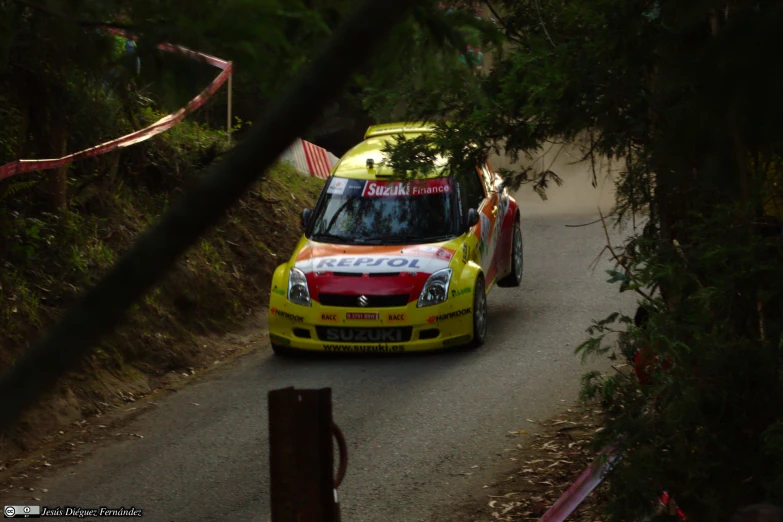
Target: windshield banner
(416,187)
(346,187)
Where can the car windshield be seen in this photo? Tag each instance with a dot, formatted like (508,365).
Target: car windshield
(385,212)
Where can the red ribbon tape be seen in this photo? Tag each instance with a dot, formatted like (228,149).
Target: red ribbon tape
(162,125)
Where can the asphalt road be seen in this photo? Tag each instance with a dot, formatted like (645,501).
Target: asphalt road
(413,425)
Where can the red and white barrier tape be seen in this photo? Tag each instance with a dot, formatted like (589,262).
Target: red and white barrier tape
(582,487)
(668,502)
(587,482)
(310,159)
(317,160)
(162,125)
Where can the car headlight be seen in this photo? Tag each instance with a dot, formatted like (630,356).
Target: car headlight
(436,289)
(298,292)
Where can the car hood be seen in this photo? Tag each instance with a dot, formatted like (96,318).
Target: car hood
(371,270)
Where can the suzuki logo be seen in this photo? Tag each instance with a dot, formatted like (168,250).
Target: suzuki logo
(363,301)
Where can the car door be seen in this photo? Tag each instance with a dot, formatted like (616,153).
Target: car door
(474,194)
(491,207)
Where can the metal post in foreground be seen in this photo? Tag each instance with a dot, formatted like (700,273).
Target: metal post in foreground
(303,487)
(228,124)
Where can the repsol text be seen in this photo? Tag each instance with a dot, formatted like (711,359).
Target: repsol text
(394,262)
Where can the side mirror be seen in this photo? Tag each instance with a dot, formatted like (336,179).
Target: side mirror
(306,213)
(473,217)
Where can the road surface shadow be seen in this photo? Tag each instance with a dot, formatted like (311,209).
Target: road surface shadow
(304,355)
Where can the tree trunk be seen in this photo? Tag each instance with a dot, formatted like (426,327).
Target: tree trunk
(114,166)
(662,191)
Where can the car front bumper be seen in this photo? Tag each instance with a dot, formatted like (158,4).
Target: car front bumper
(363,330)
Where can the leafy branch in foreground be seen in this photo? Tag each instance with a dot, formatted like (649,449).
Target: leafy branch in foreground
(665,88)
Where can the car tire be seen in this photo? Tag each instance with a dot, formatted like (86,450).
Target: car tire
(479,314)
(514,278)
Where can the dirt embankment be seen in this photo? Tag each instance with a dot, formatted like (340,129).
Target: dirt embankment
(543,466)
(198,315)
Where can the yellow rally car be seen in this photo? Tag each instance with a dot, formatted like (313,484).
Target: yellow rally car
(390,265)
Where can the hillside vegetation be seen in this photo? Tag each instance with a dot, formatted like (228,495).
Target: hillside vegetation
(67,84)
(49,259)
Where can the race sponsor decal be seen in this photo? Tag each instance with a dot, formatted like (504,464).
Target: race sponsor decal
(279,291)
(485,226)
(376,335)
(398,317)
(416,187)
(491,248)
(504,201)
(279,339)
(450,315)
(456,341)
(329,317)
(435,252)
(315,257)
(346,187)
(286,315)
(364,348)
(337,186)
(459,205)
(465,252)
(457,293)
(367,261)
(362,316)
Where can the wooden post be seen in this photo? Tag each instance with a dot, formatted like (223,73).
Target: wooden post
(228,123)
(300,456)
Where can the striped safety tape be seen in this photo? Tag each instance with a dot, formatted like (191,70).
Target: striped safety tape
(162,125)
(310,159)
(588,481)
(582,487)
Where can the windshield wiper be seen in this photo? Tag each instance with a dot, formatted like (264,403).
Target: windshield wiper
(329,235)
(344,239)
(408,238)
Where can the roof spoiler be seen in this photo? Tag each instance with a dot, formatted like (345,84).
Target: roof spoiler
(387,129)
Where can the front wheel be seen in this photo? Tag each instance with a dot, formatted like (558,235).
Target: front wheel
(479,314)
(514,278)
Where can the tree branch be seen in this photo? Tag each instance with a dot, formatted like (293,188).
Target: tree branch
(543,26)
(83,23)
(510,34)
(102,309)
(619,259)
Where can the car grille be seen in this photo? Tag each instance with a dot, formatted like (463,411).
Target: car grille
(373,301)
(344,334)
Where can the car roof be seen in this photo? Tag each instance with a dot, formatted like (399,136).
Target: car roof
(354,163)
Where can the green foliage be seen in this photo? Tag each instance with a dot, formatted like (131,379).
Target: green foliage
(708,427)
(14,188)
(666,87)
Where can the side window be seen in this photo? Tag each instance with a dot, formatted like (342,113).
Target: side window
(472,189)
